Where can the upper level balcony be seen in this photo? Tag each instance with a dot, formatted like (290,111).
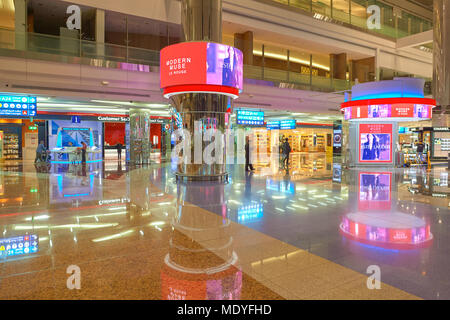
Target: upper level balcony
(395,22)
(77,51)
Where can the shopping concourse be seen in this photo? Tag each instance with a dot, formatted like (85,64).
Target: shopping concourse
(224,150)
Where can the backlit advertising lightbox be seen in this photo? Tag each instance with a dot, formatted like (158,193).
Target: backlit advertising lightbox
(375,143)
(201,67)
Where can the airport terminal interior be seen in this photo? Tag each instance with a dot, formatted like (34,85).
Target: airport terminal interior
(224,149)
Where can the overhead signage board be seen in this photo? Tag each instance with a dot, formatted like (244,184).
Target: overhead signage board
(18,106)
(273,125)
(113,119)
(250,117)
(288,124)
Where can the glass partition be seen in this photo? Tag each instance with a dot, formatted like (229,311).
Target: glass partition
(354,12)
(341,10)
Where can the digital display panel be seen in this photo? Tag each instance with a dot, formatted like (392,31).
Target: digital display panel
(201,63)
(224,65)
(379,111)
(75,136)
(250,117)
(19,245)
(385,111)
(18,106)
(337,138)
(375,143)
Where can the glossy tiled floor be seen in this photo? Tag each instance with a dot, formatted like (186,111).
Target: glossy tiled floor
(307,234)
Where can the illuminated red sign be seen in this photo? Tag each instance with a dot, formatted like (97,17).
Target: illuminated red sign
(201,67)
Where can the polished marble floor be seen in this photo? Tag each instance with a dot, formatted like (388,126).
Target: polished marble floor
(307,233)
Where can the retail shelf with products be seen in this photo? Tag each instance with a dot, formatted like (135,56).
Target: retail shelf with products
(11,146)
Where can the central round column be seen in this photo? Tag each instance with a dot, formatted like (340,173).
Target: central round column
(202,21)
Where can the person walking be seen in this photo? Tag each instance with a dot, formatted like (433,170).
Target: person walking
(420,147)
(286,149)
(247,155)
(119,147)
(39,150)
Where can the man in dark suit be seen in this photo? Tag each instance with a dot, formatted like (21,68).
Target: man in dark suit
(247,155)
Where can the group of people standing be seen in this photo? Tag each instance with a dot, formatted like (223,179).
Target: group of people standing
(285,152)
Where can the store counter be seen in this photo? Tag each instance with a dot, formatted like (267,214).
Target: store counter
(61,155)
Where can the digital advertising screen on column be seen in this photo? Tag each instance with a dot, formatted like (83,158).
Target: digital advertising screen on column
(201,67)
(375,143)
(18,106)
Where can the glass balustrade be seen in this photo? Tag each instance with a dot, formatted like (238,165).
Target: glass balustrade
(60,49)
(354,12)
(39,45)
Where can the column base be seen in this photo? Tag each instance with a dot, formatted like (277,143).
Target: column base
(221,177)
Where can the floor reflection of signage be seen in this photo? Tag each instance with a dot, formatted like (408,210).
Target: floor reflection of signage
(387,229)
(20,245)
(281,186)
(374,191)
(337,172)
(225,285)
(250,212)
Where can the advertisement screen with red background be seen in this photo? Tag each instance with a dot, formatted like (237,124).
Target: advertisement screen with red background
(201,63)
(398,110)
(183,63)
(382,133)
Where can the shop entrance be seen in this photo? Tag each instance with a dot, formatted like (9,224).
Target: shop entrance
(20,138)
(114,133)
